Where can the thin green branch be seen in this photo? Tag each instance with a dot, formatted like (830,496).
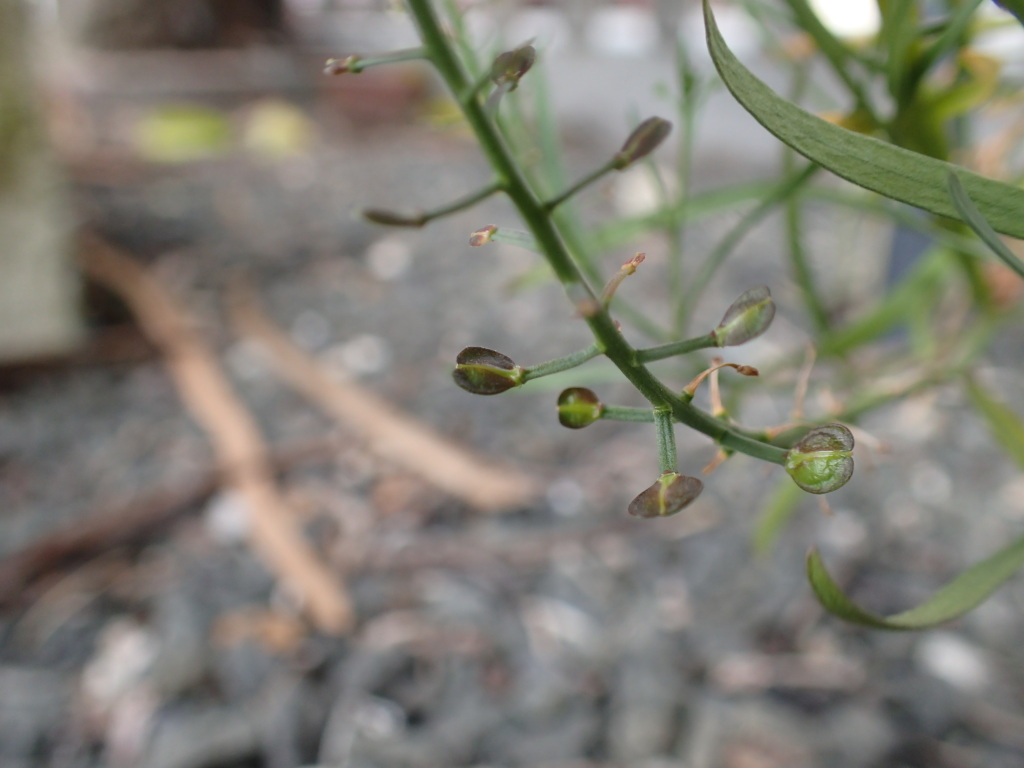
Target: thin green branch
(590,178)
(627,413)
(667,460)
(561,363)
(674,348)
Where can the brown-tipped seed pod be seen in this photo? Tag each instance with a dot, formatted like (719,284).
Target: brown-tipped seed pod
(578,407)
(822,461)
(747,318)
(644,139)
(483,371)
(510,66)
(670,493)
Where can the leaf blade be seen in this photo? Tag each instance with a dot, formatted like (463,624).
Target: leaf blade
(775,514)
(1006,426)
(958,596)
(970,213)
(863,160)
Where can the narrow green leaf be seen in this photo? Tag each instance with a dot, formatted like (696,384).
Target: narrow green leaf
(620,231)
(897,36)
(970,213)
(1006,426)
(925,279)
(956,598)
(834,50)
(776,513)
(952,36)
(867,162)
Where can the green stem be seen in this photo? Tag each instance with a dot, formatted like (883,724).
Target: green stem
(590,178)
(674,348)
(538,220)
(481,82)
(627,413)
(561,364)
(666,440)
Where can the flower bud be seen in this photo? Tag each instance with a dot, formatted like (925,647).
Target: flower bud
(341,66)
(670,493)
(510,66)
(822,462)
(486,372)
(578,407)
(644,139)
(482,236)
(747,318)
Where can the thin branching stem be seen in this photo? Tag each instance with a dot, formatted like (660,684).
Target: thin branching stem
(674,348)
(561,364)
(539,221)
(665,426)
(590,178)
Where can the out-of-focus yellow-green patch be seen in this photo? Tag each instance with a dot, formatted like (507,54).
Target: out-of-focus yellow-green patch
(177,133)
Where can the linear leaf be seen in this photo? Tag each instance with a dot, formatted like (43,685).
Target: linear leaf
(970,213)
(1006,426)
(775,514)
(867,162)
(956,598)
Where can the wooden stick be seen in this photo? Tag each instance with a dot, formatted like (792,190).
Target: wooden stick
(388,433)
(238,444)
(129,525)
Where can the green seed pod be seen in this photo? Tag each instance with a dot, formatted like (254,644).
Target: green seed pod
(822,461)
(747,318)
(510,66)
(578,407)
(486,372)
(644,139)
(671,493)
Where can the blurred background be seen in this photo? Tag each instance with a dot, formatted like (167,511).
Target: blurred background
(248,521)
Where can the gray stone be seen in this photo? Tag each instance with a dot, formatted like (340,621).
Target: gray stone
(33,705)
(201,736)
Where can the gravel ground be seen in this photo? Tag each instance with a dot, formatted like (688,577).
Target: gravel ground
(562,634)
